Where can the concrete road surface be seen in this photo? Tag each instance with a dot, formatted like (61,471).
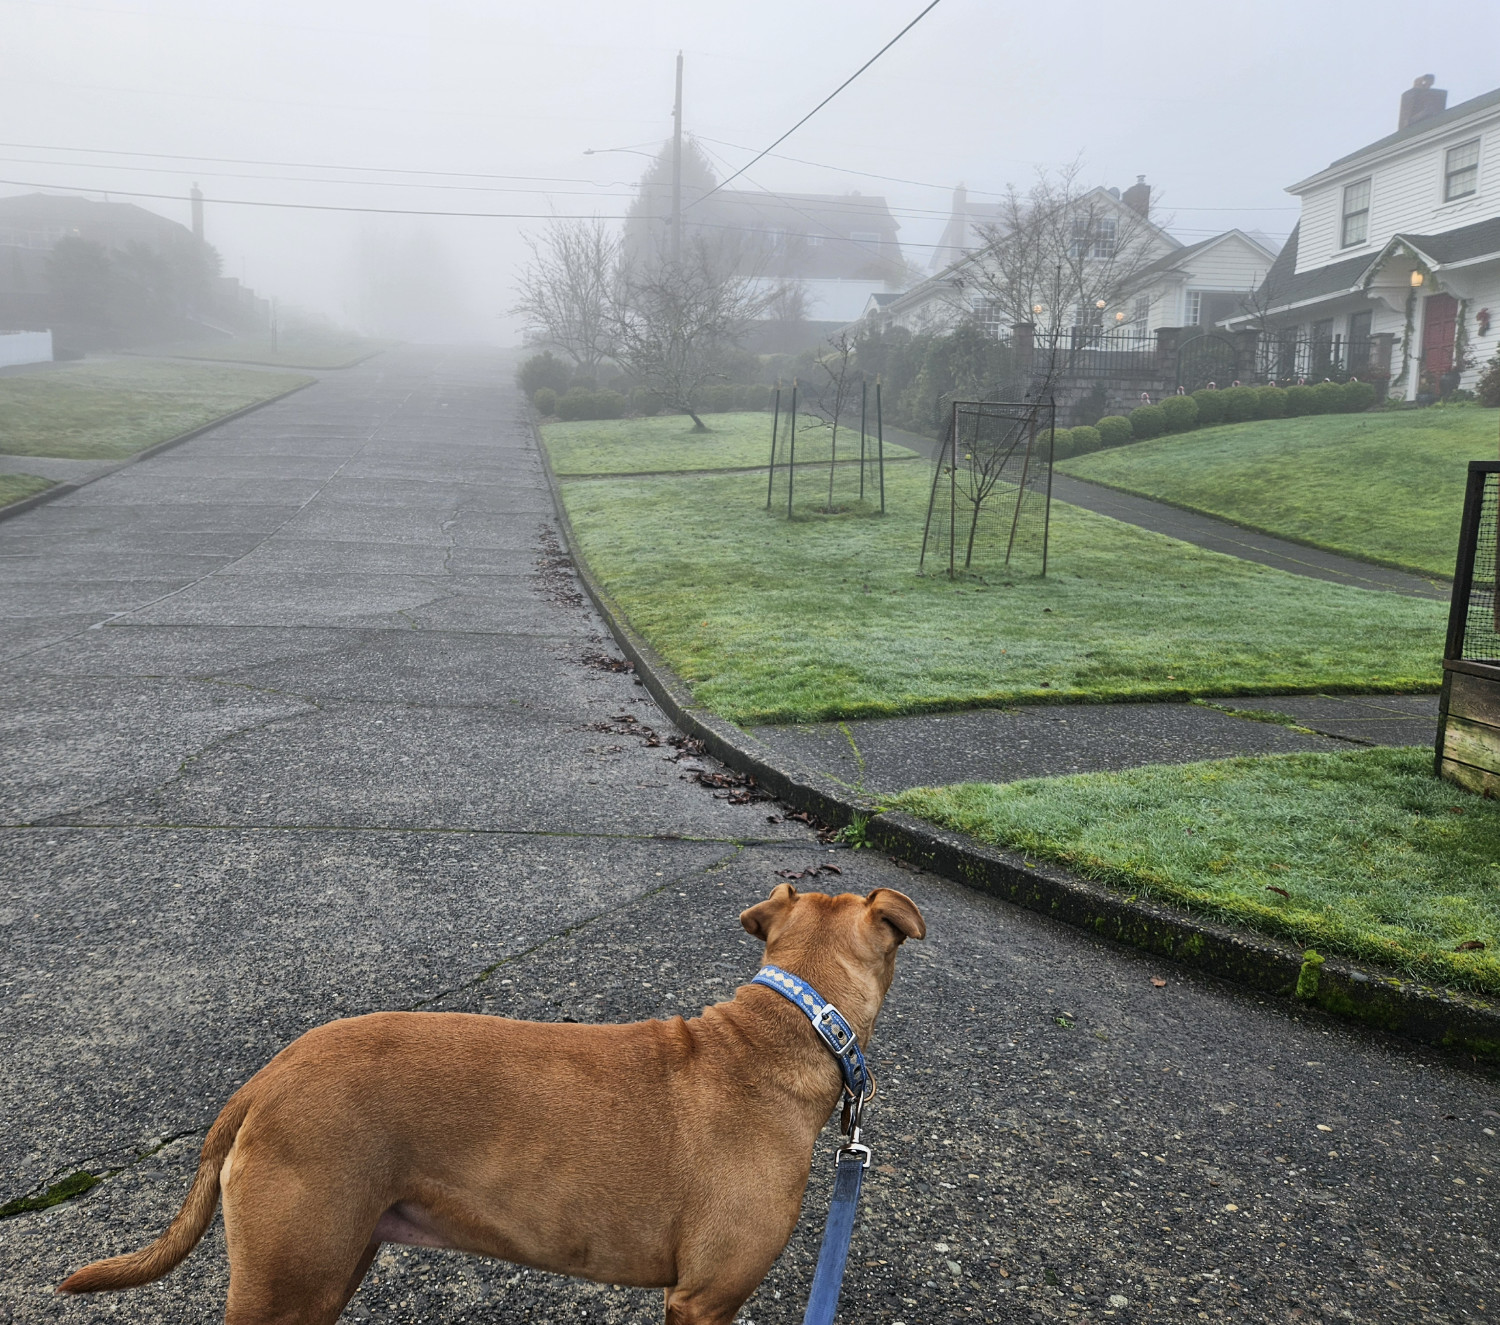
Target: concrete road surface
(307,718)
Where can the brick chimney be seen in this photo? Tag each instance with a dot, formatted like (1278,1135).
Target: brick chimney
(1138,196)
(1422,100)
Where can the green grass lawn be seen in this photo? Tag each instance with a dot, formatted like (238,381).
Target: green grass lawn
(1385,487)
(17,487)
(821,618)
(334,352)
(667,443)
(1374,856)
(110,410)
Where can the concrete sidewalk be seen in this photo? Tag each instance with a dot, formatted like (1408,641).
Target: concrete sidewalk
(1004,745)
(308,717)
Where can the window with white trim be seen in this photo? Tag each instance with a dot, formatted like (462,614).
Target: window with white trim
(1461,170)
(1194,307)
(1093,237)
(989,315)
(1140,313)
(1356,226)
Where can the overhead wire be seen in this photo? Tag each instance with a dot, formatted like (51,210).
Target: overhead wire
(927,10)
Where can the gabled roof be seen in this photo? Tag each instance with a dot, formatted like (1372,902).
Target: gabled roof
(1451,247)
(1178,256)
(1423,126)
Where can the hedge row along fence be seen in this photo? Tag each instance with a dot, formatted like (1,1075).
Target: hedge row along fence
(1203,409)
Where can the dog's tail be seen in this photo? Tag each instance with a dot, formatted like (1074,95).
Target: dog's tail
(183,1233)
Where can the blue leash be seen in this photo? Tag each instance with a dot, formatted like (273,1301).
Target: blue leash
(853,1158)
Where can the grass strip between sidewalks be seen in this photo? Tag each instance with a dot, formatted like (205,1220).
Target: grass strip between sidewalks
(1364,853)
(17,487)
(1383,487)
(819,618)
(667,443)
(287,353)
(111,410)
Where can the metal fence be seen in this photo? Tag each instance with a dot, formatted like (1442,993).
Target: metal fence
(1289,359)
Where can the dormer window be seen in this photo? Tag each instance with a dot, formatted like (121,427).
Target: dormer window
(1356,227)
(1461,171)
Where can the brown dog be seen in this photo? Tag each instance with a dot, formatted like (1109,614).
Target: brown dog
(667,1154)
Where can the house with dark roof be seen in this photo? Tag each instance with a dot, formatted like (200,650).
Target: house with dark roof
(1398,249)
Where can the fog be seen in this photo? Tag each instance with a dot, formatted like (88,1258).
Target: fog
(1220,109)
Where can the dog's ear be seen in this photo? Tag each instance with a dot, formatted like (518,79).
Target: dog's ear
(899,912)
(759,918)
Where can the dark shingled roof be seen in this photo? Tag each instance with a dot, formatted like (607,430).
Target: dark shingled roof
(1469,241)
(1284,285)
(1457,112)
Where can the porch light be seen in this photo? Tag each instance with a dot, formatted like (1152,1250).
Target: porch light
(1416,280)
(1099,304)
(1119,317)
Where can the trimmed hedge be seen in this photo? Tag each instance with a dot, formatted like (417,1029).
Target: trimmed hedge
(1181,413)
(1300,400)
(1062,443)
(1273,401)
(545,400)
(1329,397)
(580,403)
(1114,430)
(1211,407)
(1086,439)
(1147,421)
(1240,404)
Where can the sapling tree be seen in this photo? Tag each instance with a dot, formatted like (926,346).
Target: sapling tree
(672,323)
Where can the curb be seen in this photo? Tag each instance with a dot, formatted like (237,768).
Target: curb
(1429,1015)
(156,448)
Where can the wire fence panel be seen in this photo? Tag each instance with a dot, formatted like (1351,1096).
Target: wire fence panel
(990,501)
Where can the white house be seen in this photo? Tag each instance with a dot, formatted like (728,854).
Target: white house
(1401,239)
(1169,284)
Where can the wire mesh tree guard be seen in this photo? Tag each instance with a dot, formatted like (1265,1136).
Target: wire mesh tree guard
(991,486)
(1468,739)
(816,467)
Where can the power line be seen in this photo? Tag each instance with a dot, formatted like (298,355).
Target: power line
(292,165)
(930,7)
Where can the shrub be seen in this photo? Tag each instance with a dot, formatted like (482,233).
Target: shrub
(1181,412)
(1147,421)
(1211,407)
(1240,404)
(1085,439)
(1114,430)
(608,405)
(545,400)
(1062,443)
(755,397)
(645,401)
(580,403)
(543,370)
(1301,400)
(1272,402)
(1358,396)
(717,399)
(1488,386)
(1329,397)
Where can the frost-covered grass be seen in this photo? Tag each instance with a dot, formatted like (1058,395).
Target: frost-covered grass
(1365,853)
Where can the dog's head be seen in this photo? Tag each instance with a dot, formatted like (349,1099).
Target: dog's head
(847,937)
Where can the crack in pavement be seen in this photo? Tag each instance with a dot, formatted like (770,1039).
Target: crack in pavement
(77,1179)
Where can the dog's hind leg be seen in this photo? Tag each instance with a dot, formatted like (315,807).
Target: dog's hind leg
(704,1306)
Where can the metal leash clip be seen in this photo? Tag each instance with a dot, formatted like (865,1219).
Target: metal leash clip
(853,1148)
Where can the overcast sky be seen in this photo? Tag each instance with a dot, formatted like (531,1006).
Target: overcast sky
(1220,107)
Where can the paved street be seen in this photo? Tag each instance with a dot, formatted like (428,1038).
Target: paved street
(307,718)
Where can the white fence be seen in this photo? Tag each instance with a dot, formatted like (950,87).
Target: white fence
(25,347)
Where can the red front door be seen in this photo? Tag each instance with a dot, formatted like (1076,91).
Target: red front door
(1439,328)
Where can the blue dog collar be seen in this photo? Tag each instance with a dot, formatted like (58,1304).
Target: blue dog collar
(830,1025)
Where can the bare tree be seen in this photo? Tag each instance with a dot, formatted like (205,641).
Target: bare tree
(1059,251)
(671,323)
(564,292)
(834,396)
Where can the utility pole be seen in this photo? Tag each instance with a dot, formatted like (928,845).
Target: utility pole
(677,168)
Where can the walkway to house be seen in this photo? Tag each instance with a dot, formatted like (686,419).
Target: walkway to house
(1220,535)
